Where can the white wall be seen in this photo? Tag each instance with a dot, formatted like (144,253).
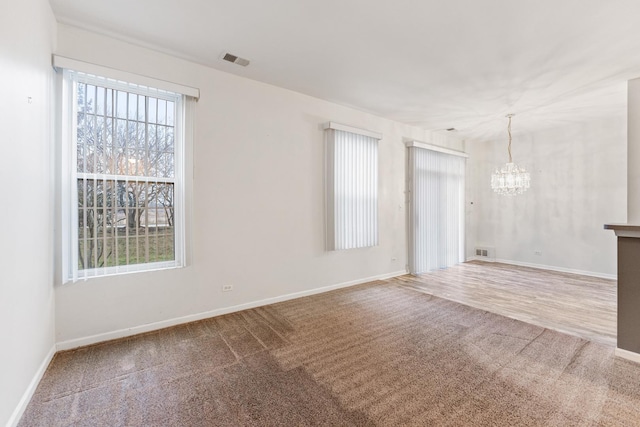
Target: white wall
(578,184)
(633,152)
(258,200)
(27,36)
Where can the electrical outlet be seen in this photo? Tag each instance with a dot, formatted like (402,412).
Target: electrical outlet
(227,288)
(537,252)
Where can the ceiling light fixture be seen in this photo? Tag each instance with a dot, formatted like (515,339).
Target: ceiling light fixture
(511,179)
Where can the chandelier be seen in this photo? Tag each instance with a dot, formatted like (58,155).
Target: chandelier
(510,179)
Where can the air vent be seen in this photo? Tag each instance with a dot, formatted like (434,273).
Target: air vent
(485,253)
(235,59)
(229,57)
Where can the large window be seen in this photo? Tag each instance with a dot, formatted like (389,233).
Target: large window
(436,211)
(125,144)
(351,187)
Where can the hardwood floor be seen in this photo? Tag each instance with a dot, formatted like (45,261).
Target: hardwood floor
(583,306)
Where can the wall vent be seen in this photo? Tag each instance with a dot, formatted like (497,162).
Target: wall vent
(485,253)
(235,59)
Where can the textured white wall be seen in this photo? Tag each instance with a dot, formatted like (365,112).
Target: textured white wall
(578,184)
(27,35)
(258,200)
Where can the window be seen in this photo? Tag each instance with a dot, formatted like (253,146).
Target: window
(351,187)
(123,177)
(436,211)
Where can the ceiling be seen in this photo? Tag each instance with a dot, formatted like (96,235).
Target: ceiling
(430,63)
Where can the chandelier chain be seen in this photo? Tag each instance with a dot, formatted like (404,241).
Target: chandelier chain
(509,131)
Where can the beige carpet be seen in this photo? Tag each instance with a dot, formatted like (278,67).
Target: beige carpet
(376,354)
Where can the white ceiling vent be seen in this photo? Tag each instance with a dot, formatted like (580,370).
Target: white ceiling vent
(235,59)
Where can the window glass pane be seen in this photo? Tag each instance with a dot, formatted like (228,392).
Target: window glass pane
(161,131)
(121,139)
(90,99)
(166,164)
(133,106)
(162,111)
(169,141)
(171,106)
(165,244)
(142,113)
(151,133)
(134,135)
(164,202)
(121,104)
(132,250)
(80,155)
(125,142)
(109,100)
(121,257)
(152,110)
(109,258)
(100,101)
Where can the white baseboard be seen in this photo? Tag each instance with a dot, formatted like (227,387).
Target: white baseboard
(629,355)
(28,394)
(121,333)
(547,267)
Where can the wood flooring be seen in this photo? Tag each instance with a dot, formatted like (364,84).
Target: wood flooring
(578,305)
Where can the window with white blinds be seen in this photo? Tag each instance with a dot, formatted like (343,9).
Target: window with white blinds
(124,177)
(436,211)
(351,187)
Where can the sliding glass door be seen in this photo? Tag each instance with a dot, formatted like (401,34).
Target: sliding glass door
(436,208)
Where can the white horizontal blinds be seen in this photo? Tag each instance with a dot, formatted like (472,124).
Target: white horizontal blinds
(352,216)
(436,210)
(127,152)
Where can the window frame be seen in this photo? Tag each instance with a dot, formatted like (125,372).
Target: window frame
(67,160)
(442,209)
(351,187)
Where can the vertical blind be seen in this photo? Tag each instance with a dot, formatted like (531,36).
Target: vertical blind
(436,213)
(352,189)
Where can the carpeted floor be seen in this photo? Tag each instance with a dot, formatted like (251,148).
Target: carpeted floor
(375,354)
